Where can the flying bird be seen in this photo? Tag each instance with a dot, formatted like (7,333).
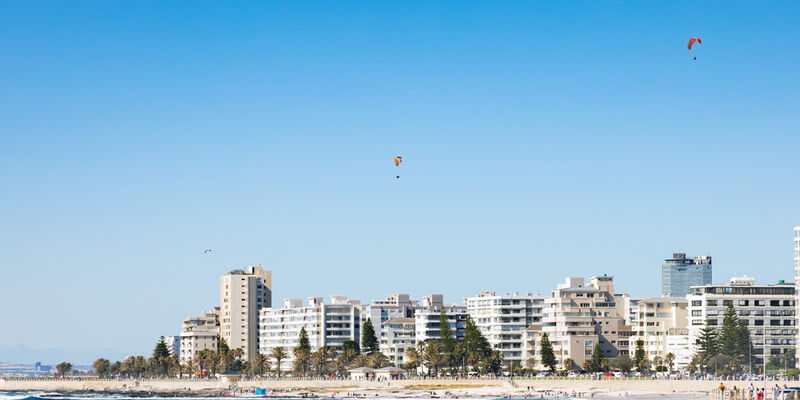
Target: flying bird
(207,251)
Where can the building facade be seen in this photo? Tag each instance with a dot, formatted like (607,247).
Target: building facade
(243,293)
(398,335)
(173,344)
(199,333)
(427,319)
(679,274)
(503,319)
(326,324)
(382,310)
(659,322)
(768,311)
(576,318)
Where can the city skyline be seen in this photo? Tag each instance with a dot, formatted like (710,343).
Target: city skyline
(538,141)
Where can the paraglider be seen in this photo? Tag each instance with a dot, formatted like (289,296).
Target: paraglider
(691,43)
(397,161)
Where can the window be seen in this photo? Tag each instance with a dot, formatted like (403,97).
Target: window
(697,313)
(697,303)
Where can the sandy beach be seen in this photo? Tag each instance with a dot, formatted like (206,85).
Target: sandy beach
(406,388)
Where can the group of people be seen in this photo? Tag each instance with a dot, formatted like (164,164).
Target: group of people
(751,393)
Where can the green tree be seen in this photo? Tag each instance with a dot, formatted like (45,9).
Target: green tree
(369,342)
(728,340)
(547,355)
(350,349)
(568,364)
(302,353)
(623,363)
(102,367)
(597,359)
(302,341)
(669,359)
(706,345)
(63,369)
(279,354)
(494,363)
(258,364)
(412,360)
(640,357)
(378,360)
(432,356)
(477,351)
(447,339)
(302,362)
(223,348)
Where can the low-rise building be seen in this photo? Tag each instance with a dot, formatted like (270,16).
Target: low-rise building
(767,310)
(503,318)
(655,320)
(199,333)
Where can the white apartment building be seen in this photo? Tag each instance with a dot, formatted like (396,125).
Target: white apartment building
(655,322)
(577,317)
(327,324)
(797,281)
(398,335)
(768,311)
(242,294)
(173,344)
(503,318)
(199,333)
(428,316)
(382,310)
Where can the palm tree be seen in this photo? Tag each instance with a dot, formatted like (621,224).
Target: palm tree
(669,358)
(301,361)
(378,360)
(237,353)
(319,361)
(569,364)
(257,364)
(279,354)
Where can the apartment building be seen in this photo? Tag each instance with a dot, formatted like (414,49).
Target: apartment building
(427,318)
(503,319)
(327,324)
(243,293)
(199,333)
(393,307)
(577,317)
(660,322)
(768,310)
(680,273)
(173,344)
(398,335)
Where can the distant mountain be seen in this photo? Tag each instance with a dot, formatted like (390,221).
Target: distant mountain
(25,355)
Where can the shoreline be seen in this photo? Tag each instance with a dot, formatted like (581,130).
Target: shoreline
(404,388)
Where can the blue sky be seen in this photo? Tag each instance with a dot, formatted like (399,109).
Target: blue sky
(540,140)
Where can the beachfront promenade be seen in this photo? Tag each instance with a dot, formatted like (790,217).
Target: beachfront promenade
(402,387)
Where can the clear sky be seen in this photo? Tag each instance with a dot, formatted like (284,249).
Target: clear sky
(540,140)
